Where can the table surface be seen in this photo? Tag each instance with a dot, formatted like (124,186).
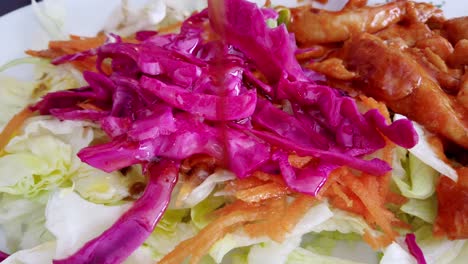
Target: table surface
(10,5)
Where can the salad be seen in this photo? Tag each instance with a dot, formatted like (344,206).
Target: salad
(239,133)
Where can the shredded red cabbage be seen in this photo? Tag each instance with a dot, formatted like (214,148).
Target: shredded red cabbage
(240,97)
(135,226)
(414,249)
(3,256)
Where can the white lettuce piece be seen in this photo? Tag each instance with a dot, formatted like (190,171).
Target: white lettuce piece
(395,253)
(343,222)
(302,256)
(51,14)
(441,251)
(133,16)
(426,154)
(41,254)
(231,241)
(273,252)
(202,191)
(164,242)
(101,187)
(74,221)
(142,255)
(22,222)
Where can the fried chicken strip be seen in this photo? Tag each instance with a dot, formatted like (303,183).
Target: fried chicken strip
(395,78)
(313,26)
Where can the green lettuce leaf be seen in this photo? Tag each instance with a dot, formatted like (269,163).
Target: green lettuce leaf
(344,223)
(200,213)
(100,187)
(43,157)
(419,181)
(424,209)
(301,256)
(424,152)
(325,242)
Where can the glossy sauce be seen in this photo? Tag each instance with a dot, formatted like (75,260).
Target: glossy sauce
(452,218)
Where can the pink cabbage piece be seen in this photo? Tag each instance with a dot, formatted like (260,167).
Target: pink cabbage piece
(414,249)
(242,24)
(135,226)
(3,256)
(211,107)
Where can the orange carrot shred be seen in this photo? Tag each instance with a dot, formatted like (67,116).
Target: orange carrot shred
(298,161)
(170,28)
(376,242)
(268,227)
(296,211)
(13,126)
(230,216)
(262,192)
(89,106)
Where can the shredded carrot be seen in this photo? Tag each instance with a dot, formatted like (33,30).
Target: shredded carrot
(340,193)
(77,44)
(366,188)
(74,45)
(298,161)
(242,184)
(13,126)
(267,177)
(89,106)
(268,227)
(395,198)
(230,216)
(296,211)
(262,192)
(170,28)
(376,242)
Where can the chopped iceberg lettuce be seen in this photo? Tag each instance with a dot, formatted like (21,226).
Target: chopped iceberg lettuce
(74,221)
(395,253)
(101,187)
(22,222)
(51,14)
(424,209)
(128,19)
(420,179)
(42,253)
(162,242)
(426,154)
(200,213)
(43,157)
(273,252)
(301,256)
(208,185)
(343,222)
